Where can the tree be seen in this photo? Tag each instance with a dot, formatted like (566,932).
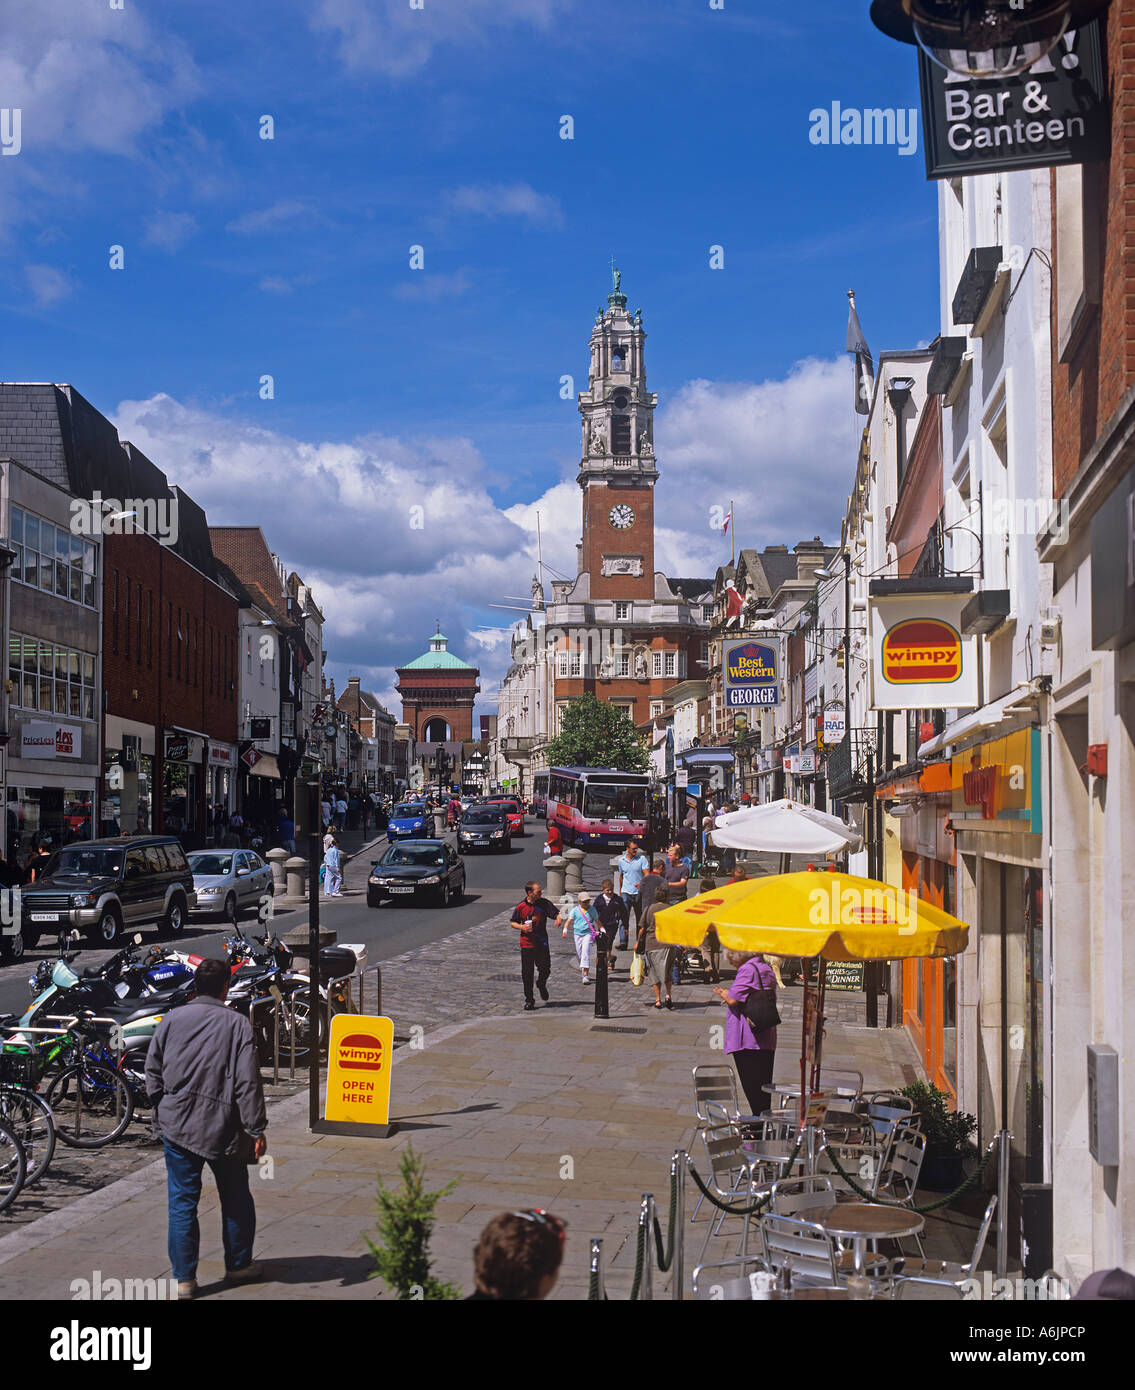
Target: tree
(405,1224)
(596,734)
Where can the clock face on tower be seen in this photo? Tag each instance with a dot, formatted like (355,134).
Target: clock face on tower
(622,516)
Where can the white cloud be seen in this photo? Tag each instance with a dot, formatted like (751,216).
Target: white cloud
(88,77)
(388,36)
(48,285)
(433,288)
(507,200)
(275,284)
(265,219)
(169,231)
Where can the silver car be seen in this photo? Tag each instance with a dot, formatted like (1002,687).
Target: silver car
(229,880)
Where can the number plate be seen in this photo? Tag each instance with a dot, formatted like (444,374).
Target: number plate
(45,916)
(401,890)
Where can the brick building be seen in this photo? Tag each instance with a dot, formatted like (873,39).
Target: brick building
(1090,542)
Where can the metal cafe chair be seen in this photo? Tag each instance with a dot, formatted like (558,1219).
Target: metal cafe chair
(884,1109)
(735,1283)
(863,1162)
(804,1246)
(733,1179)
(899,1172)
(846,1087)
(944,1273)
(790,1195)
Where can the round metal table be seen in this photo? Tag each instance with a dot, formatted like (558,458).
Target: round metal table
(860,1222)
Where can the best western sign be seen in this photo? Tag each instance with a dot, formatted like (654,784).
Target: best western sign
(751,672)
(1055,112)
(919,658)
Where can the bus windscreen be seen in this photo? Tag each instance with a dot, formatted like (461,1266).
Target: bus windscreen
(614,802)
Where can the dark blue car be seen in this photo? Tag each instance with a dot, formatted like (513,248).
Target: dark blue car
(409,821)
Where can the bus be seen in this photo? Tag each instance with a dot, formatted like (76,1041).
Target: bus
(597,806)
(539,805)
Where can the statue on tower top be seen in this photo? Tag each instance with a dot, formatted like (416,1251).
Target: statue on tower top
(616,276)
(617,299)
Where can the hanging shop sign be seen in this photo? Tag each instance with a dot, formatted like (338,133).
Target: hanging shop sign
(835,725)
(222,755)
(999,783)
(176,748)
(919,658)
(40,739)
(1055,112)
(751,674)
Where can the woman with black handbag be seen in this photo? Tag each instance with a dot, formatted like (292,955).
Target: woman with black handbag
(750,1030)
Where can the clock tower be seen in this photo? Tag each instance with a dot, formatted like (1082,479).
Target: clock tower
(617,472)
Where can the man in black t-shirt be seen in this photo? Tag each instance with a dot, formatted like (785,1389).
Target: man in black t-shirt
(530,918)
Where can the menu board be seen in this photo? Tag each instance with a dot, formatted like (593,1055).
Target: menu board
(844,975)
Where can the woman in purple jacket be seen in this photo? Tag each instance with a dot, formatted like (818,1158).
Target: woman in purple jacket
(753,1052)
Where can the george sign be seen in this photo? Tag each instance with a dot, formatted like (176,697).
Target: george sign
(176,748)
(999,781)
(919,658)
(751,674)
(358,1069)
(844,975)
(40,739)
(1055,112)
(250,757)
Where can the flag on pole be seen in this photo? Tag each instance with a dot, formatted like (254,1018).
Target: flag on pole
(864,364)
(728,519)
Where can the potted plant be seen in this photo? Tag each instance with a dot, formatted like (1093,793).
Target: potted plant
(948,1136)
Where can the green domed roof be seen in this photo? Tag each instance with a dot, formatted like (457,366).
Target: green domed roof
(437,658)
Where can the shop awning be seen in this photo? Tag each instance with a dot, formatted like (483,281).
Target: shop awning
(1018,701)
(180,729)
(267,767)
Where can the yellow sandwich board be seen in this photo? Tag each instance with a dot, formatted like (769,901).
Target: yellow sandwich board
(358,1070)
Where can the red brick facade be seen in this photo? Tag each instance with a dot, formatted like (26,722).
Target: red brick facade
(1089,386)
(601,538)
(440,694)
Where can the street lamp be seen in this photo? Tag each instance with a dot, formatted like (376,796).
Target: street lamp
(983,38)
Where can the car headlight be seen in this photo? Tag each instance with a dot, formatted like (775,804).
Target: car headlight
(207,892)
(497,835)
(84,899)
(432,878)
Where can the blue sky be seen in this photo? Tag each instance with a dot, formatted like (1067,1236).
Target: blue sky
(439,127)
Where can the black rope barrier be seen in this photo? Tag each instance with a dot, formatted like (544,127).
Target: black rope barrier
(971,1181)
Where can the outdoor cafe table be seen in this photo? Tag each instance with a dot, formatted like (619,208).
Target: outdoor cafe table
(860,1222)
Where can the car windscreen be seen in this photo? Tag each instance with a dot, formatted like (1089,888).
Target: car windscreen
(87,863)
(607,802)
(210,863)
(407,812)
(482,815)
(400,856)
(510,806)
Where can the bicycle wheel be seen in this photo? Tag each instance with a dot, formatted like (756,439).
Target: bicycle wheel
(29,1117)
(92,1105)
(13,1166)
(296,1015)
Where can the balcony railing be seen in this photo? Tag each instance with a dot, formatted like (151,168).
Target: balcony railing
(851,765)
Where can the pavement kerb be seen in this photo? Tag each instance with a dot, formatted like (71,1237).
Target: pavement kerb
(95,1204)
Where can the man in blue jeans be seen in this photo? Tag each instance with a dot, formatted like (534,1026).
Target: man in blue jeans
(203,1080)
(632,864)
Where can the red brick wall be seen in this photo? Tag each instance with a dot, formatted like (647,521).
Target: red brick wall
(419,706)
(204,696)
(1087,389)
(601,538)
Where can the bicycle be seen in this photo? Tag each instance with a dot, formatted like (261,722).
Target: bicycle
(13,1166)
(91,1104)
(26,1112)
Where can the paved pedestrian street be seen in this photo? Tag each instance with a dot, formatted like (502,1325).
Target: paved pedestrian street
(554,1108)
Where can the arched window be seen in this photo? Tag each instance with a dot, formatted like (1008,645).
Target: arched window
(437,731)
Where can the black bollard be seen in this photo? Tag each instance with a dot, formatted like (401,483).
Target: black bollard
(601,1009)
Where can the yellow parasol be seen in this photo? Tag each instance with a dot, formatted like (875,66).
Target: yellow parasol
(837,916)
(831,915)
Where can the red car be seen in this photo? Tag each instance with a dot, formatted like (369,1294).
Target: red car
(512,810)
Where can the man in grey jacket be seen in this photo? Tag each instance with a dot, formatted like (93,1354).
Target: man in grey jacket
(203,1079)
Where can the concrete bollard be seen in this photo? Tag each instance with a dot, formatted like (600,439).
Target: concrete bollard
(439,824)
(296,870)
(276,858)
(554,871)
(573,876)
